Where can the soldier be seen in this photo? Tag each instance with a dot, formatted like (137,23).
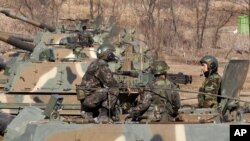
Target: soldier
(99,90)
(85,38)
(164,103)
(211,84)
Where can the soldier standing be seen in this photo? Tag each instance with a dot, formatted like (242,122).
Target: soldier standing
(99,90)
(159,96)
(211,84)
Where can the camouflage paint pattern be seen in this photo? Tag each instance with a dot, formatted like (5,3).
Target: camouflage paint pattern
(29,78)
(61,75)
(146,132)
(48,77)
(21,129)
(45,130)
(32,77)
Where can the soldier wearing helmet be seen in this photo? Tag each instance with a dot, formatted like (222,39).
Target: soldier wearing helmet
(211,84)
(85,38)
(162,103)
(98,90)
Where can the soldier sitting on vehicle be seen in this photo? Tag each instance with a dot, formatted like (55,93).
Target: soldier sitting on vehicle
(85,38)
(99,90)
(158,99)
(211,84)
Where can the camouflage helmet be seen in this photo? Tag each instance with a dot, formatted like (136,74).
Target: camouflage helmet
(159,67)
(211,61)
(104,50)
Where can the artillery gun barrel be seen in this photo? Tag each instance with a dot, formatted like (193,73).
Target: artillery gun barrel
(21,37)
(16,42)
(25,19)
(26,39)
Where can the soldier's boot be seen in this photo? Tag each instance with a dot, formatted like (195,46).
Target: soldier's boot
(167,118)
(103,116)
(88,116)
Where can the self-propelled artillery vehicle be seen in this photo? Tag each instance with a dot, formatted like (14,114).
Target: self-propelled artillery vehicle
(50,35)
(91,30)
(33,124)
(52,57)
(45,69)
(55,61)
(50,62)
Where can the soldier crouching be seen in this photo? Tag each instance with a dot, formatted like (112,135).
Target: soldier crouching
(158,101)
(99,90)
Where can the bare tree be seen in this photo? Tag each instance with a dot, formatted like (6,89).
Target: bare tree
(99,8)
(91,9)
(173,16)
(244,9)
(224,18)
(201,20)
(145,10)
(29,7)
(44,10)
(158,23)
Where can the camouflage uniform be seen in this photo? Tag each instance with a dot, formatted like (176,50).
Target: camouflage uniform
(85,38)
(210,85)
(143,103)
(159,102)
(99,88)
(98,81)
(165,102)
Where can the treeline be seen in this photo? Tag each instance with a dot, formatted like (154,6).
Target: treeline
(168,26)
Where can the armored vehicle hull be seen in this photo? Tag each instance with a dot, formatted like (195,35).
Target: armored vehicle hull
(21,129)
